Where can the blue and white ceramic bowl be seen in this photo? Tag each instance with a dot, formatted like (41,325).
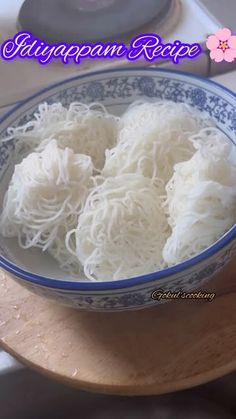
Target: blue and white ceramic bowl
(116,90)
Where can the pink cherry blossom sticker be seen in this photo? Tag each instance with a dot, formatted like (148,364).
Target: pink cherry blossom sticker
(222,46)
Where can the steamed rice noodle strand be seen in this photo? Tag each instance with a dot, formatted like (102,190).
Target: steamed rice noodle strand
(86,129)
(45,196)
(152,138)
(58,250)
(112,198)
(122,229)
(201,197)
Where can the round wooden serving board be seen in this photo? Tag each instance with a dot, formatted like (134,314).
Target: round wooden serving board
(170,347)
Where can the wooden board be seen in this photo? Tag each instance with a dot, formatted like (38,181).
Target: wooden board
(170,347)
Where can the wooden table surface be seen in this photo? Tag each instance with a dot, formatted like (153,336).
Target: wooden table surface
(170,347)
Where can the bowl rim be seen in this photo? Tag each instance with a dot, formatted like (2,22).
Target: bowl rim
(56,283)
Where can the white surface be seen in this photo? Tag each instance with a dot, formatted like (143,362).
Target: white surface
(223,11)
(4,109)
(8,363)
(196,66)
(228,80)
(195,24)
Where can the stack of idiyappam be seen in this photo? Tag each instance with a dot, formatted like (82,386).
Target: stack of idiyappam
(120,197)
